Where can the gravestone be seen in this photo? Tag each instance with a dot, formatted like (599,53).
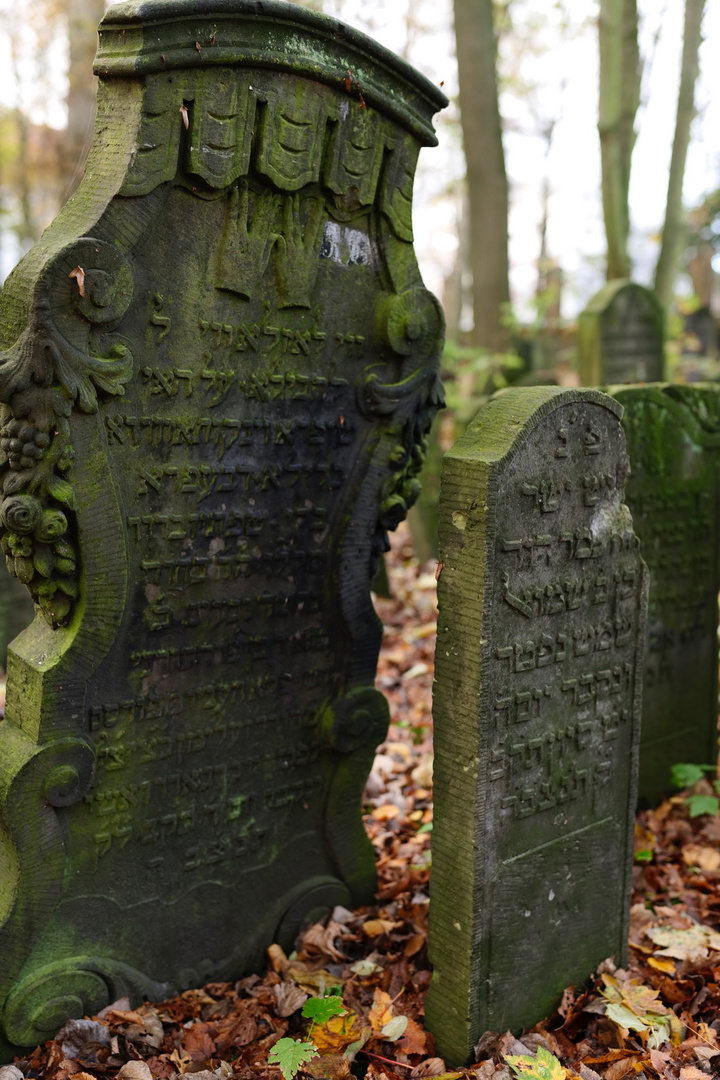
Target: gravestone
(542,598)
(16,612)
(219,369)
(673,440)
(621,336)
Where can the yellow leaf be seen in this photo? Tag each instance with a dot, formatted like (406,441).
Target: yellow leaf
(669,967)
(334,1036)
(707,858)
(381,1012)
(544,1066)
(376,927)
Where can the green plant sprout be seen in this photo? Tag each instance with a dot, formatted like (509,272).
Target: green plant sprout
(685,775)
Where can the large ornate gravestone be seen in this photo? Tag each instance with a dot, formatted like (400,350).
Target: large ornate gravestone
(673,440)
(219,368)
(542,600)
(621,336)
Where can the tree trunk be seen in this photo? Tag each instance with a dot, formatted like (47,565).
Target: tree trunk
(83,17)
(619,99)
(673,229)
(487,180)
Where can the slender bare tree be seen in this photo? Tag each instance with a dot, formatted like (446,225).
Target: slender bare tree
(674,227)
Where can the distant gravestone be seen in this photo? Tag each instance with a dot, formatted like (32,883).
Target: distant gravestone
(673,440)
(16,612)
(621,336)
(219,367)
(542,599)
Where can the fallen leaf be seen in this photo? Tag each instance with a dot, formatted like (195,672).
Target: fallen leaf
(365,968)
(381,1011)
(707,858)
(289,998)
(184,113)
(198,1043)
(669,967)
(375,927)
(337,1034)
(394,1028)
(414,1041)
(79,274)
(690,944)
(543,1066)
(135,1070)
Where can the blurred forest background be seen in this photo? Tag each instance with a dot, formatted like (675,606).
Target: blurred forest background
(582,143)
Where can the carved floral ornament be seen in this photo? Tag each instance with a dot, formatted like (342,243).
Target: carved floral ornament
(43,376)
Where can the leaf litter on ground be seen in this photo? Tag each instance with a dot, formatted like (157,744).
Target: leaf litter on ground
(351,995)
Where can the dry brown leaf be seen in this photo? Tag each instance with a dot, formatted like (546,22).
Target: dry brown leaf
(430,1067)
(198,1043)
(691,1072)
(278,960)
(707,858)
(320,940)
(415,944)
(79,274)
(289,998)
(620,1068)
(413,1040)
(386,812)
(185,118)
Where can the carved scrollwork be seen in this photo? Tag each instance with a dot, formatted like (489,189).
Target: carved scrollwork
(357,719)
(43,376)
(41,1003)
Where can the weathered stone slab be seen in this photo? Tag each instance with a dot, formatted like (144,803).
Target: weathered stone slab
(673,440)
(542,601)
(219,368)
(621,336)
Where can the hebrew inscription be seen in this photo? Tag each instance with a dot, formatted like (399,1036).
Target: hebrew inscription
(542,600)
(673,439)
(216,392)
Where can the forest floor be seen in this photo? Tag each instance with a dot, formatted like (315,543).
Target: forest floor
(659,1017)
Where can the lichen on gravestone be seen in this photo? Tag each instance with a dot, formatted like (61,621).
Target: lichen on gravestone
(218,371)
(673,441)
(621,336)
(538,672)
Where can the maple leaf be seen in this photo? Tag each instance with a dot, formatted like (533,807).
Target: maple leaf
(320,1009)
(291,1055)
(702,804)
(336,1034)
(636,1007)
(544,1066)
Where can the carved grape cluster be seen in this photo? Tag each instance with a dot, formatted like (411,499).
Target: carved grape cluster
(23,443)
(39,554)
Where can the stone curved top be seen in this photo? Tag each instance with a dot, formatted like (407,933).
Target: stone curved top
(138,37)
(605,296)
(505,422)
